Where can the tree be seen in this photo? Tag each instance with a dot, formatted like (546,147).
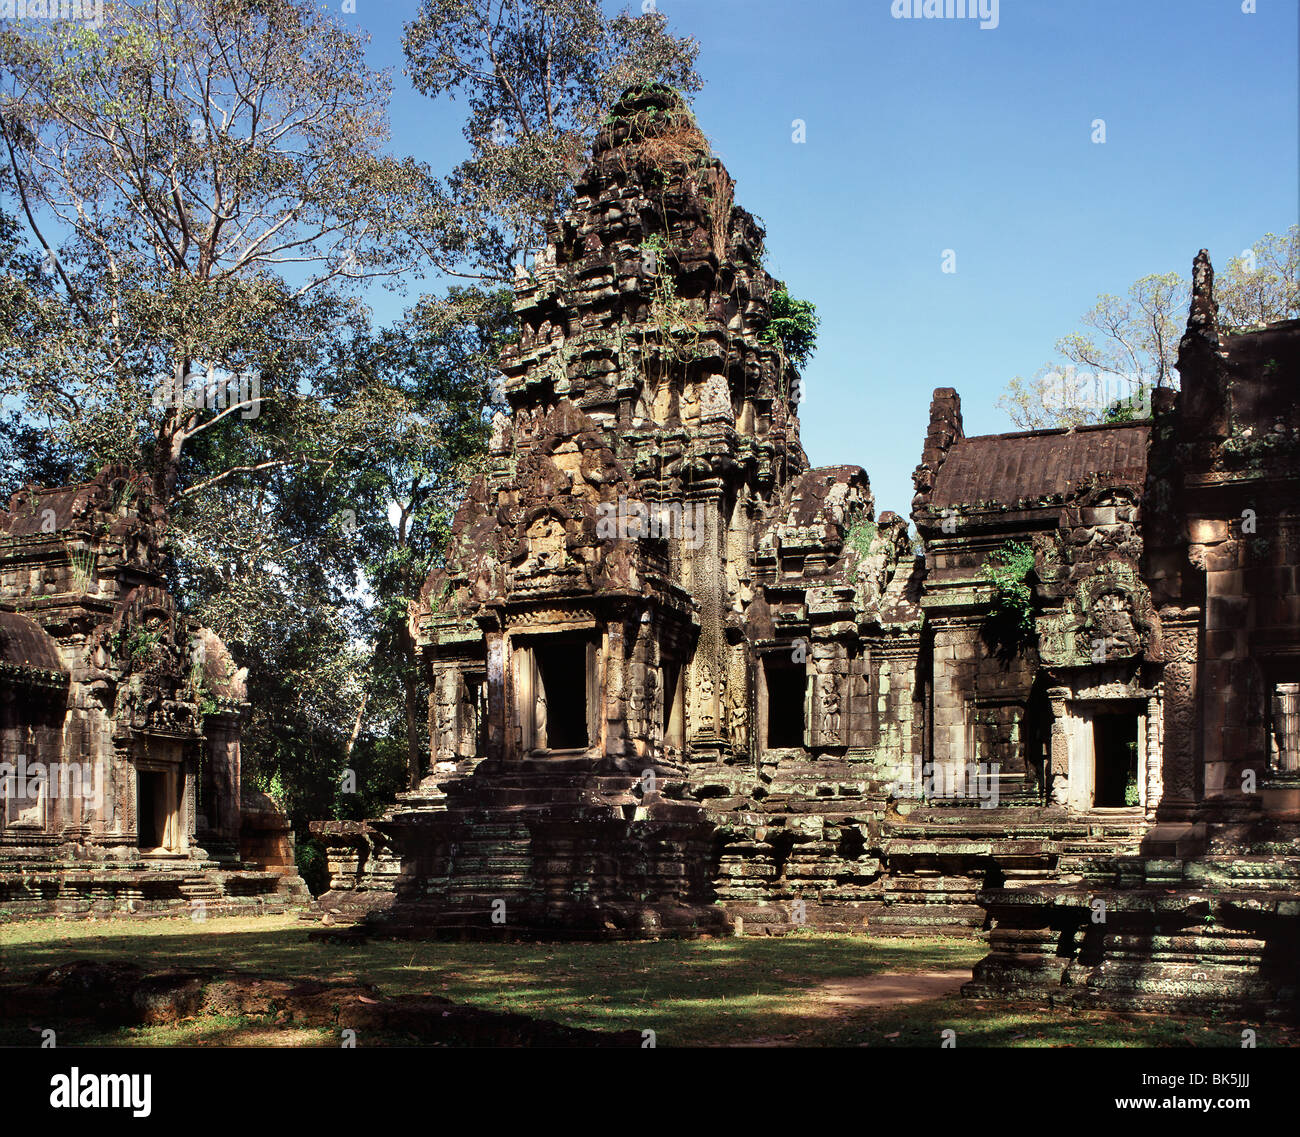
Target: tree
(203,188)
(439,370)
(1261,285)
(1129,344)
(538,76)
(205,182)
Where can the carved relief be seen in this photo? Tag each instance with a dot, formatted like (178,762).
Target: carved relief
(828,696)
(546,551)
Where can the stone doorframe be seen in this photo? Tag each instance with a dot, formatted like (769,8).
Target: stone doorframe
(780,652)
(178,780)
(1072,769)
(526,687)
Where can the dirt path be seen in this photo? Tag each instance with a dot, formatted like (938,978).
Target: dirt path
(888,989)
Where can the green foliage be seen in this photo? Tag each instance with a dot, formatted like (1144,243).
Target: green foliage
(793,324)
(313,866)
(1007,570)
(1132,795)
(676,319)
(140,644)
(538,77)
(1132,791)
(84,564)
(1132,408)
(860,537)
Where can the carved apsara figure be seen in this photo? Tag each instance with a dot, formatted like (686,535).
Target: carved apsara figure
(706,702)
(830,710)
(739,724)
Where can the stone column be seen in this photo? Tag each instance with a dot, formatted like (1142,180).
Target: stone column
(1155,763)
(497,696)
(1180,749)
(190,813)
(615,692)
(704,575)
(1058,767)
(954,654)
(828,696)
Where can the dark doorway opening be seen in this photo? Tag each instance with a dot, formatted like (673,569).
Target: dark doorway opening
(476,703)
(1115,753)
(152,810)
(562,671)
(786,686)
(672,674)
(1284,734)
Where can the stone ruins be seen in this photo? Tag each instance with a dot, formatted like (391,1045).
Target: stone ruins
(682,683)
(120,725)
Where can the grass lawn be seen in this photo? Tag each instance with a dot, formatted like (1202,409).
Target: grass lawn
(747,991)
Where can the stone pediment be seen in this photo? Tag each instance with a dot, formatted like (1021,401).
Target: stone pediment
(1107,616)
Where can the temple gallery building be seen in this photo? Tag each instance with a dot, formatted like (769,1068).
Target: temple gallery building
(120,788)
(683,683)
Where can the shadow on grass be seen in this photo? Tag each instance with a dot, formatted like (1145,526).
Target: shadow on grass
(690,992)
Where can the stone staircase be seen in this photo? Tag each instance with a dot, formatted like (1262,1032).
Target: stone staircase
(141,889)
(939,857)
(521,851)
(1176,934)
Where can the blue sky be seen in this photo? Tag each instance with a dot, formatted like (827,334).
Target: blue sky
(925,135)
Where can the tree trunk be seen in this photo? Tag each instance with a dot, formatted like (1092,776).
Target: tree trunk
(356,729)
(411,684)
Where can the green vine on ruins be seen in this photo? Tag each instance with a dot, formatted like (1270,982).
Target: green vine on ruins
(792,324)
(673,316)
(860,537)
(1007,570)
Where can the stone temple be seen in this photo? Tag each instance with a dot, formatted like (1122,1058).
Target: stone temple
(683,683)
(120,786)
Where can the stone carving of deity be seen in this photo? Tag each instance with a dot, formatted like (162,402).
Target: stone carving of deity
(655,689)
(739,724)
(635,710)
(1060,788)
(446,721)
(546,544)
(830,709)
(706,702)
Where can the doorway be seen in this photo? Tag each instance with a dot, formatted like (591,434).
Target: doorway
(1284,732)
(157,811)
(787,685)
(557,694)
(1115,760)
(562,676)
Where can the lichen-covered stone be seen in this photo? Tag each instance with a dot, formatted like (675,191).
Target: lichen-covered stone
(120,784)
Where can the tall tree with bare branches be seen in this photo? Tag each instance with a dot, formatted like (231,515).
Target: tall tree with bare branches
(537,77)
(1128,344)
(206,183)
